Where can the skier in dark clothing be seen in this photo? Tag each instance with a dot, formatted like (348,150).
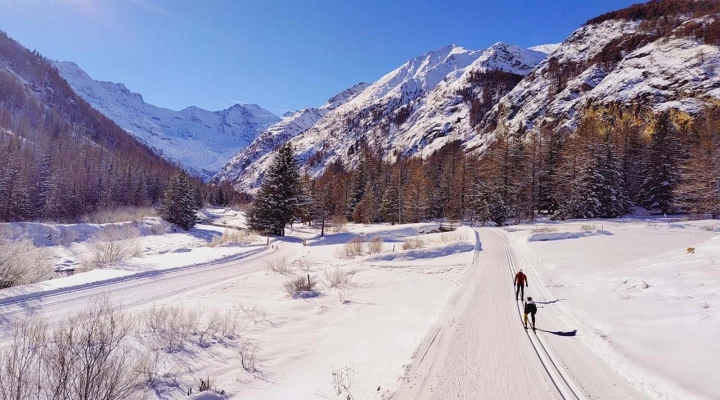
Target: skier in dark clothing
(530,308)
(520,280)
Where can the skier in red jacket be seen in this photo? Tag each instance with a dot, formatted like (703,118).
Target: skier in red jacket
(520,280)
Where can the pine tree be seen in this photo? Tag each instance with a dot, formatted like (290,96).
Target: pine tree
(610,187)
(390,204)
(179,205)
(358,183)
(366,211)
(280,197)
(592,184)
(661,173)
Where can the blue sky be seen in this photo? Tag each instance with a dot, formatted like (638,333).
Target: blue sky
(283,55)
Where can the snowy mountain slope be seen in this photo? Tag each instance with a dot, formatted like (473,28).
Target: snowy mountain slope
(414,109)
(621,62)
(546,48)
(260,150)
(200,141)
(536,95)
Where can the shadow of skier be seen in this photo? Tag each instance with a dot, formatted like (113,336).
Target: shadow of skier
(549,301)
(560,333)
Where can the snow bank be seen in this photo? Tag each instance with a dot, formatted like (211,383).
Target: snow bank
(208,396)
(545,236)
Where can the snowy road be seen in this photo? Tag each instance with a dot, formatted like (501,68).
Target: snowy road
(479,348)
(140,290)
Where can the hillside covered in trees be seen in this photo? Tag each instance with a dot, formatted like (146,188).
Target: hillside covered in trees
(61,158)
(616,158)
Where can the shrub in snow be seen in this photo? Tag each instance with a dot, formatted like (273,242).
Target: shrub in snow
(691,250)
(231,237)
(121,214)
(301,287)
(247,355)
(588,227)
(545,229)
(339,224)
(86,357)
(345,293)
(412,243)
(254,311)
(710,228)
(279,265)
(337,277)
(113,244)
(343,380)
(374,246)
(21,262)
(353,248)
(171,325)
(207,388)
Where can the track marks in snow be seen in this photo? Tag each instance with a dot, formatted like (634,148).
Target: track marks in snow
(479,349)
(581,372)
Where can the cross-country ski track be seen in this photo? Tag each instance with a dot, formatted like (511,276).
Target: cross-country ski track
(480,350)
(140,289)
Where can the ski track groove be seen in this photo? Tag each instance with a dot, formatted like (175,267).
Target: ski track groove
(563,383)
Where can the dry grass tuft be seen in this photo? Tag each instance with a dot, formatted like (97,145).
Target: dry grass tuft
(413,243)
(233,237)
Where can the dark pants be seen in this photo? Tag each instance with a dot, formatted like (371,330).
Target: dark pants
(525,321)
(519,289)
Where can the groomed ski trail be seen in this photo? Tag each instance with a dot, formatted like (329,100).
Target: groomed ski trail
(141,289)
(480,350)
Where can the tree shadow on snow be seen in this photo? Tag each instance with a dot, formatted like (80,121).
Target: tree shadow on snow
(561,333)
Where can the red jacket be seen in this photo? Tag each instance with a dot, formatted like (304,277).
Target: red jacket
(520,278)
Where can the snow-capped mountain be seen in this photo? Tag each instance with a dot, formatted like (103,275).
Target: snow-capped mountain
(420,106)
(292,125)
(653,64)
(200,141)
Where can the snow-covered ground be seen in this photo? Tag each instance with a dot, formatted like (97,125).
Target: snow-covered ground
(643,294)
(628,308)
(366,330)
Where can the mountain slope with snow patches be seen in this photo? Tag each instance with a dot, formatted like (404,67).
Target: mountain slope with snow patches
(200,141)
(616,62)
(260,151)
(415,109)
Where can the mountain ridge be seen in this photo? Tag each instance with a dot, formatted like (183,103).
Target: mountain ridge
(200,141)
(393,114)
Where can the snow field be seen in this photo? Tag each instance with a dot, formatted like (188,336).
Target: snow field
(642,296)
(364,327)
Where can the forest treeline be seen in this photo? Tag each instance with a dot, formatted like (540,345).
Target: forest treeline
(616,158)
